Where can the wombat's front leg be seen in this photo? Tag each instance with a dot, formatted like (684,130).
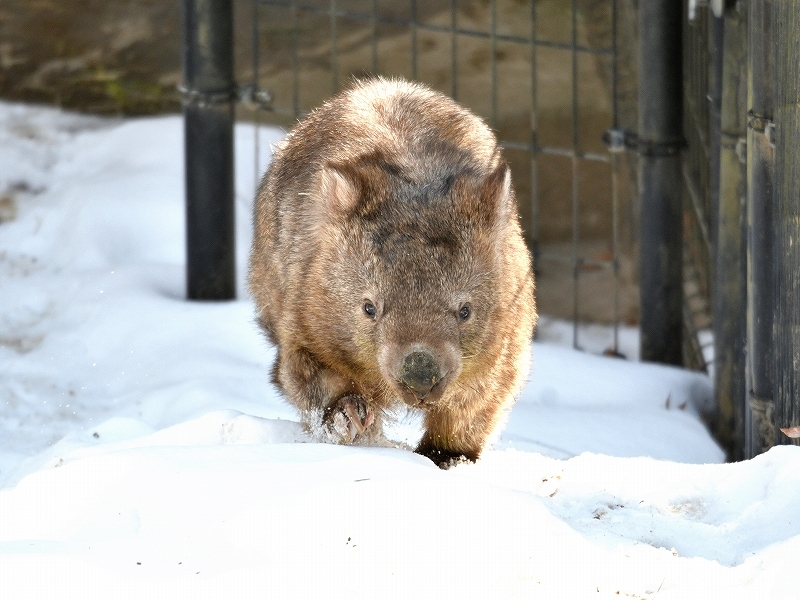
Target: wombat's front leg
(453,436)
(329,407)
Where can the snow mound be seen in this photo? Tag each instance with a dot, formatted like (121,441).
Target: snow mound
(144,453)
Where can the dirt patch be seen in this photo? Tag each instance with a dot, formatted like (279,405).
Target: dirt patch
(8,208)
(116,57)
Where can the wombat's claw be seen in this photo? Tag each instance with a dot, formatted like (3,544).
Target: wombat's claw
(350,417)
(352,410)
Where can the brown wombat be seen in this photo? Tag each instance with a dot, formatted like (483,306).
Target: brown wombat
(388,266)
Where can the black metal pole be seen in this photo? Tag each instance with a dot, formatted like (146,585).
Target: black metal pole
(760,430)
(661,223)
(787,222)
(208,121)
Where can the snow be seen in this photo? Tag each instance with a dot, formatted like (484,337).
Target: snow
(143,452)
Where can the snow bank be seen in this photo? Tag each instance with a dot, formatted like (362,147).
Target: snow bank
(144,452)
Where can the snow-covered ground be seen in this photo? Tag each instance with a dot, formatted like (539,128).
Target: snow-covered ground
(143,452)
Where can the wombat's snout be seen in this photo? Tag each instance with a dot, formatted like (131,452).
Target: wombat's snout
(419,373)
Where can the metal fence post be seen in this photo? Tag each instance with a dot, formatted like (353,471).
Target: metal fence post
(760,431)
(787,222)
(208,94)
(660,138)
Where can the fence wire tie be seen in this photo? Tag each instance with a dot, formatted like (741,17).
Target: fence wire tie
(256,97)
(207,98)
(741,150)
(619,140)
(762,124)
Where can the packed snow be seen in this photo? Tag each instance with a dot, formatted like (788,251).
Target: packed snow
(144,453)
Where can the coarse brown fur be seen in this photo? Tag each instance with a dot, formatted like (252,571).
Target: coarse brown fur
(389,267)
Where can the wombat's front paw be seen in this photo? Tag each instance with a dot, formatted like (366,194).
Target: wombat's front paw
(349,418)
(444,459)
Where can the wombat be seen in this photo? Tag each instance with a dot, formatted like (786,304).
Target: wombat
(389,268)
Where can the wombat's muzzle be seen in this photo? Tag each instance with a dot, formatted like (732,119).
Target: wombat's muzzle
(419,373)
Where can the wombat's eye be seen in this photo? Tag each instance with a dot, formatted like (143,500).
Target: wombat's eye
(465,312)
(369,309)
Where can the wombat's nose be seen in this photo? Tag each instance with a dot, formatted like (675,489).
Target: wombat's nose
(420,373)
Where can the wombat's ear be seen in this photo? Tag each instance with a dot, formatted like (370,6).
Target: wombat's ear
(337,191)
(495,199)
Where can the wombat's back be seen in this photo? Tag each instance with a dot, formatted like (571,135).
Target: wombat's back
(423,130)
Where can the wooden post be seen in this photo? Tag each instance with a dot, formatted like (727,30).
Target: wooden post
(787,222)
(730,297)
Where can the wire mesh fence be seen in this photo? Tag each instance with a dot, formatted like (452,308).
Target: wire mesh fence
(553,79)
(544,75)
